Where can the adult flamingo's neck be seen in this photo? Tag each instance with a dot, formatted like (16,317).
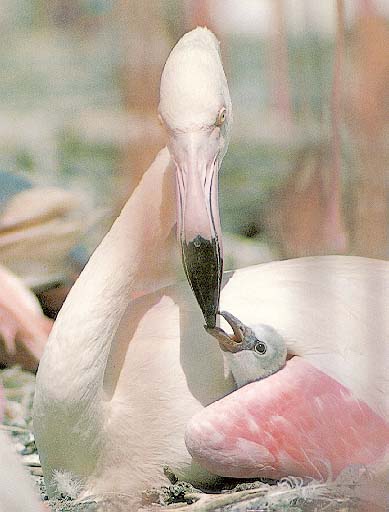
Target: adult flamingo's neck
(73,365)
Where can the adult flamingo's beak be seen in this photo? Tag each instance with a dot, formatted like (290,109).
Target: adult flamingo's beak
(198,228)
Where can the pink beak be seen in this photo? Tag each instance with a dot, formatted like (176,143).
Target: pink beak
(198,227)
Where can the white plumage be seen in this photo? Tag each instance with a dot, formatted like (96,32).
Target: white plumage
(332,310)
(16,489)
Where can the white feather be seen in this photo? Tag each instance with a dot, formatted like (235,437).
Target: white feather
(16,489)
(332,310)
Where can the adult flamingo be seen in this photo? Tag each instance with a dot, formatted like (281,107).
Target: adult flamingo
(120,378)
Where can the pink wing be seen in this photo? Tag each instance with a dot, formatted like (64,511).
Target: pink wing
(23,327)
(297,422)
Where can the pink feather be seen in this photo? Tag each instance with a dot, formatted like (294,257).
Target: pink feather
(298,422)
(23,327)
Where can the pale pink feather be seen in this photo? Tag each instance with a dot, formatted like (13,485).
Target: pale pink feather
(21,321)
(298,422)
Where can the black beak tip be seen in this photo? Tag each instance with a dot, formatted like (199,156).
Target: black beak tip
(203,267)
(210,322)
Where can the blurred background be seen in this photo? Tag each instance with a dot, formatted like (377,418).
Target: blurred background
(306,170)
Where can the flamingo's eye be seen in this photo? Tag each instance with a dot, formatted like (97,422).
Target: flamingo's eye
(221,117)
(260,348)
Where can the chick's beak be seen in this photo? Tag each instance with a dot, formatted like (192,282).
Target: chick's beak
(198,227)
(236,342)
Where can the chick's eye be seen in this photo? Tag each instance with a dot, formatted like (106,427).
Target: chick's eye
(221,117)
(260,348)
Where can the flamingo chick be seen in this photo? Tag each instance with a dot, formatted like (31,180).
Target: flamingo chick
(252,354)
(299,421)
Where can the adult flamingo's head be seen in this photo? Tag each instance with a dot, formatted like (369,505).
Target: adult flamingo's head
(195,107)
